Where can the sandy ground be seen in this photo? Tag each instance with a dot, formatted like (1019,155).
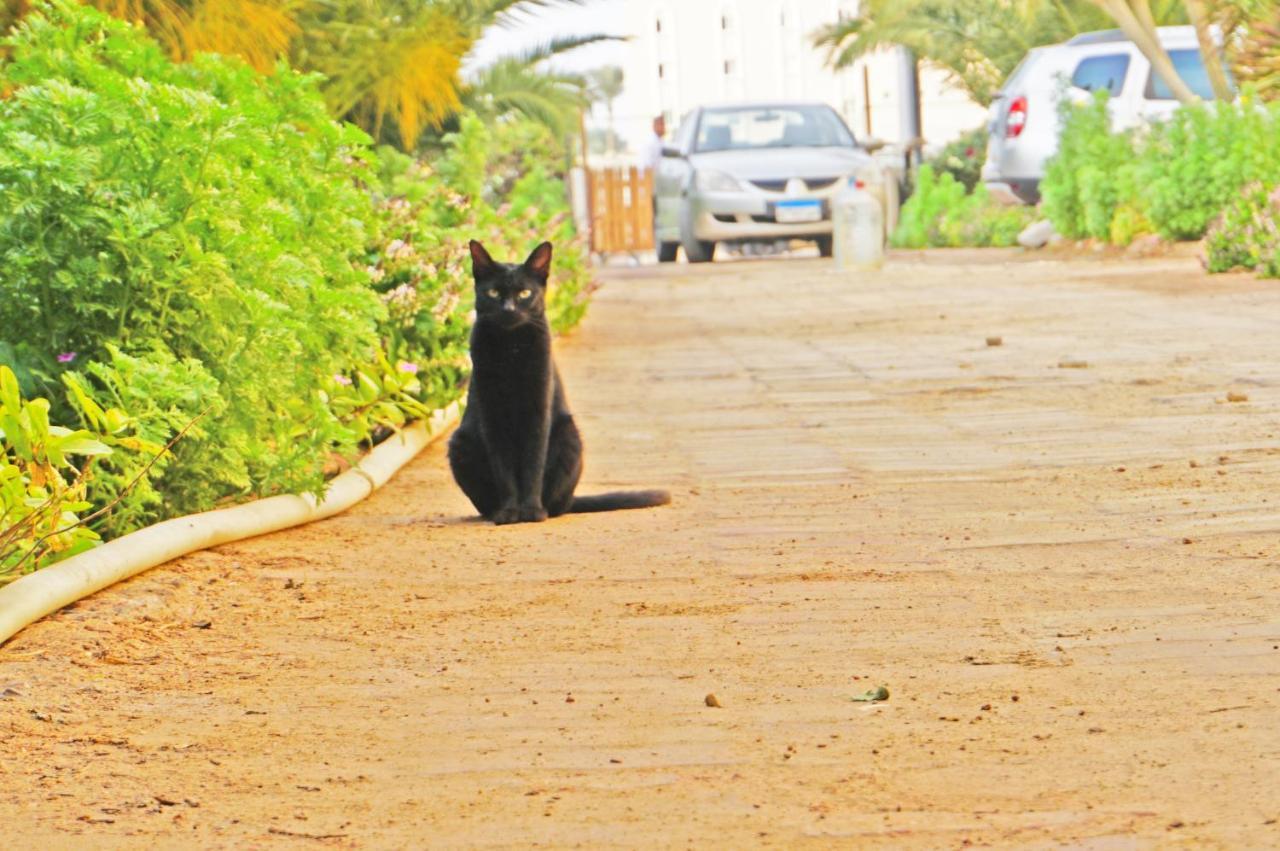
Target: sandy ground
(1058,554)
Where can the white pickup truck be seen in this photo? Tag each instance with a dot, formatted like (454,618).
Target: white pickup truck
(1024,120)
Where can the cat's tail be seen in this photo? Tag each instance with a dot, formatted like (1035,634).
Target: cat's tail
(617,500)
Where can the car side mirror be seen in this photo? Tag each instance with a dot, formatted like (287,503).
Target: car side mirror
(668,151)
(873,145)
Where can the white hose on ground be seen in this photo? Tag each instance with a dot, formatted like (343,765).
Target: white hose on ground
(30,598)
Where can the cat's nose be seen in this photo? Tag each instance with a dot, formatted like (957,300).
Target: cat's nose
(508,306)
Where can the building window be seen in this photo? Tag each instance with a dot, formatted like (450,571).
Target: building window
(660,71)
(658,25)
(724,22)
(728,67)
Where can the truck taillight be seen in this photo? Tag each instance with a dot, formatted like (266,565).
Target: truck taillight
(1017,118)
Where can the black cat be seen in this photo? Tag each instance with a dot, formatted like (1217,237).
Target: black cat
(517,454)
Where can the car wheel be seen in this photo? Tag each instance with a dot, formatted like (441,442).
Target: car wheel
(824,245)
(695,250)
(667,251)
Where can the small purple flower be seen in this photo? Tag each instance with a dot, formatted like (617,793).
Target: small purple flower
(67,357)
(407,366)
(343,380)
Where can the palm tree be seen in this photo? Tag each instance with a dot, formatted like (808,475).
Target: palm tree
(1255,56)
(605,84)
(386,63)
(10,12)
(257,30)
(978,41)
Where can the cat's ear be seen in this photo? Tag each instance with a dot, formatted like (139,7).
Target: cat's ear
(539,262)
(481,263)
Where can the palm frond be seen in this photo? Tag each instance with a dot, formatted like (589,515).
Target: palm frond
(504,13)
(563,44)
(517,84)
(259,31)
(977,41)
(402,69)
(166,20)
(511,87)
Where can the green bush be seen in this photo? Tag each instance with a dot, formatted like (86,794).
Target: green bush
(1198,161)
(1247,234)
(201,211)
(1091,174)
(963,158)
(1174,178)
(941,214)
(43,473)
(163,396)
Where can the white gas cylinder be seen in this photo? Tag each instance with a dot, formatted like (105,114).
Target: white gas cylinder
(857,228)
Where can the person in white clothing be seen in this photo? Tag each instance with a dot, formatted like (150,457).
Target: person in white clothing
(653,148)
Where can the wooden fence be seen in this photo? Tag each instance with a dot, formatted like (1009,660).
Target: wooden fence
(621,210)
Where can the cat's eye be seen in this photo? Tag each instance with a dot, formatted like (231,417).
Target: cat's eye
(526,293)
(491,292)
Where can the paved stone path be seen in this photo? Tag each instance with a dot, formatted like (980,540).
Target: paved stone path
(1058,554)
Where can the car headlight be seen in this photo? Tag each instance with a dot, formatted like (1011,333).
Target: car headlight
(716,181)
(870,176)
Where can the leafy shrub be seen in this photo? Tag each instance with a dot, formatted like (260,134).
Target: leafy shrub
(42,491)
(164,397)
(202,211)
(963,158)
(941,214)
(1173,178)
(1128,223)
(1247,234)
(1091,174)
(1197,162)
(378,397)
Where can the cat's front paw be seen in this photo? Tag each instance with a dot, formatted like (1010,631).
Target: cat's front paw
(532,514)
(506,516)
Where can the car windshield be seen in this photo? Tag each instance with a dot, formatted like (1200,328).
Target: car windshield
(748,128)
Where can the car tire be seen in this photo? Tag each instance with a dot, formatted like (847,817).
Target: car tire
(825,245)
(667,251)
(695,250)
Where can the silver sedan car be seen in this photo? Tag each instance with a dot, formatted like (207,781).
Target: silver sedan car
(758,172)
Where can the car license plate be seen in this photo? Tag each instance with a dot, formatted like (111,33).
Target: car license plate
(789,212)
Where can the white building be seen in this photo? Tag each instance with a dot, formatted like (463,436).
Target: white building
(684,53)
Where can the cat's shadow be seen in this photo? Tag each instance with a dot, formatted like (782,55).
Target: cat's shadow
(446,521)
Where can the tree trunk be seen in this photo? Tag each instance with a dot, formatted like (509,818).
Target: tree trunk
(1130,19)
(1213,64)
(609,141)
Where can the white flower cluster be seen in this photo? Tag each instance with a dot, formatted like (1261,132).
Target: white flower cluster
(402,304)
